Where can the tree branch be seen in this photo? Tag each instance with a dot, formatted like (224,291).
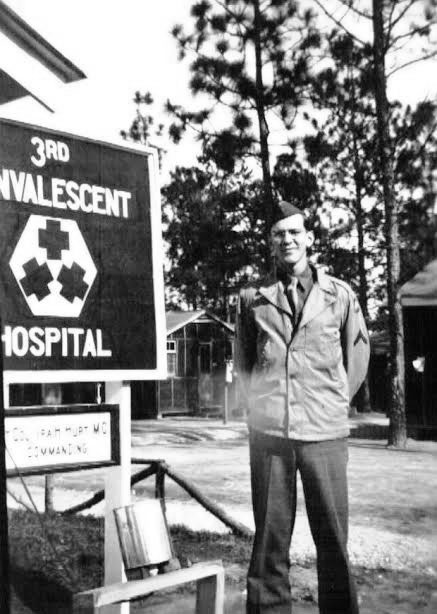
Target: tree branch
(412,32)
(338,22)
(350,5)
(234,16)
(402,13)
(390,21)
(415,61)
(428,138)
(20,501)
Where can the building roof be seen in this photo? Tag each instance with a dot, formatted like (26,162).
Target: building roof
(35,45)
(421,290)
(10,89)
(178,319)
(15,81)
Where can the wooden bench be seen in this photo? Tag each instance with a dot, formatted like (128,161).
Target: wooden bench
(146,549)
(209,577)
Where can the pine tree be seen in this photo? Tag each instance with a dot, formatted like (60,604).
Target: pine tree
(252,59)
(401,37)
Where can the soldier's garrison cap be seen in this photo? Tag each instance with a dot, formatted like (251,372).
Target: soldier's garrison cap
(283,209)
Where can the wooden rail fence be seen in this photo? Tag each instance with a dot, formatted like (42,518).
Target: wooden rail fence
(160,469)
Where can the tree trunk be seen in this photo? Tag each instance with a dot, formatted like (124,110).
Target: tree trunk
(363,396)
(263,126)
(362,276)
(397,428)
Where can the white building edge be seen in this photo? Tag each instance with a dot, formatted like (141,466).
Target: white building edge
(29,64)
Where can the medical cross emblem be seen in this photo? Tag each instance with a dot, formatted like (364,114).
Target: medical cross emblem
(53,239)
(72,282)
(53,267)
(37,279)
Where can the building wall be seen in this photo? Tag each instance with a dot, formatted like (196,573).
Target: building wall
(420,333)
(196,356)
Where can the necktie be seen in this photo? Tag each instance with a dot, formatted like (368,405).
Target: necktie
(293,297)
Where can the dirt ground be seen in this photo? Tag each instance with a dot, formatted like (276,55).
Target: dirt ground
(393,511)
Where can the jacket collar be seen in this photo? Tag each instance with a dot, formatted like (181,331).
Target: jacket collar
(273,290)
(322,294)
(303,280)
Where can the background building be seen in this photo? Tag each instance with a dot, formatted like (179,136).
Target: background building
(419,302)
(198,346)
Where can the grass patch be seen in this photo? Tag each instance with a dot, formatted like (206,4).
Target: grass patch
(204,545)
(44,577)
(51,562)
(48,565)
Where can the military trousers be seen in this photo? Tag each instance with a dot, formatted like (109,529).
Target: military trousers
(275,462)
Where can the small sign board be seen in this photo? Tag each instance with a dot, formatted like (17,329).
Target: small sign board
(47,439)
(81,282)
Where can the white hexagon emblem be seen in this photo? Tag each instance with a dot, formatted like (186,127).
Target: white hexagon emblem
(53,267)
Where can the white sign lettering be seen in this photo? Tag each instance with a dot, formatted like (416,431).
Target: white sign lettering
(51,341)
(47,149)
(22,187)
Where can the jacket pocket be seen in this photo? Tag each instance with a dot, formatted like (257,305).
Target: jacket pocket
(323,351)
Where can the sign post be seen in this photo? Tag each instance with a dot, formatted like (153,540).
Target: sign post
(4,548)
(117,490)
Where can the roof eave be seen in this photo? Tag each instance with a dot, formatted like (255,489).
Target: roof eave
(418,301)
(13,26)
(220,321)
(195,315)
(19,92)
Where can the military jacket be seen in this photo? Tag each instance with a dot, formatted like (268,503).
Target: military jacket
(297,381)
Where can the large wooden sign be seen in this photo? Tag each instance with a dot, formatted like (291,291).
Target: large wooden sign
(81,291)
(67,438)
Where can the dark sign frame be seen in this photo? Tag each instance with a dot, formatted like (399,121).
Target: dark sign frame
(71,206)
(68,410)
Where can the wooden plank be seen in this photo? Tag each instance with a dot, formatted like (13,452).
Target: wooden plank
(210,597)
(126,591)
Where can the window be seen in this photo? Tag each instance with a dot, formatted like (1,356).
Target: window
(171,358)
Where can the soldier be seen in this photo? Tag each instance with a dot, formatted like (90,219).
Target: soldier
(302,353)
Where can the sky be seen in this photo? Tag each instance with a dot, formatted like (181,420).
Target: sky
(124,46)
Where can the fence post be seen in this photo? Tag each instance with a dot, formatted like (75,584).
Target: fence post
(160,484)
